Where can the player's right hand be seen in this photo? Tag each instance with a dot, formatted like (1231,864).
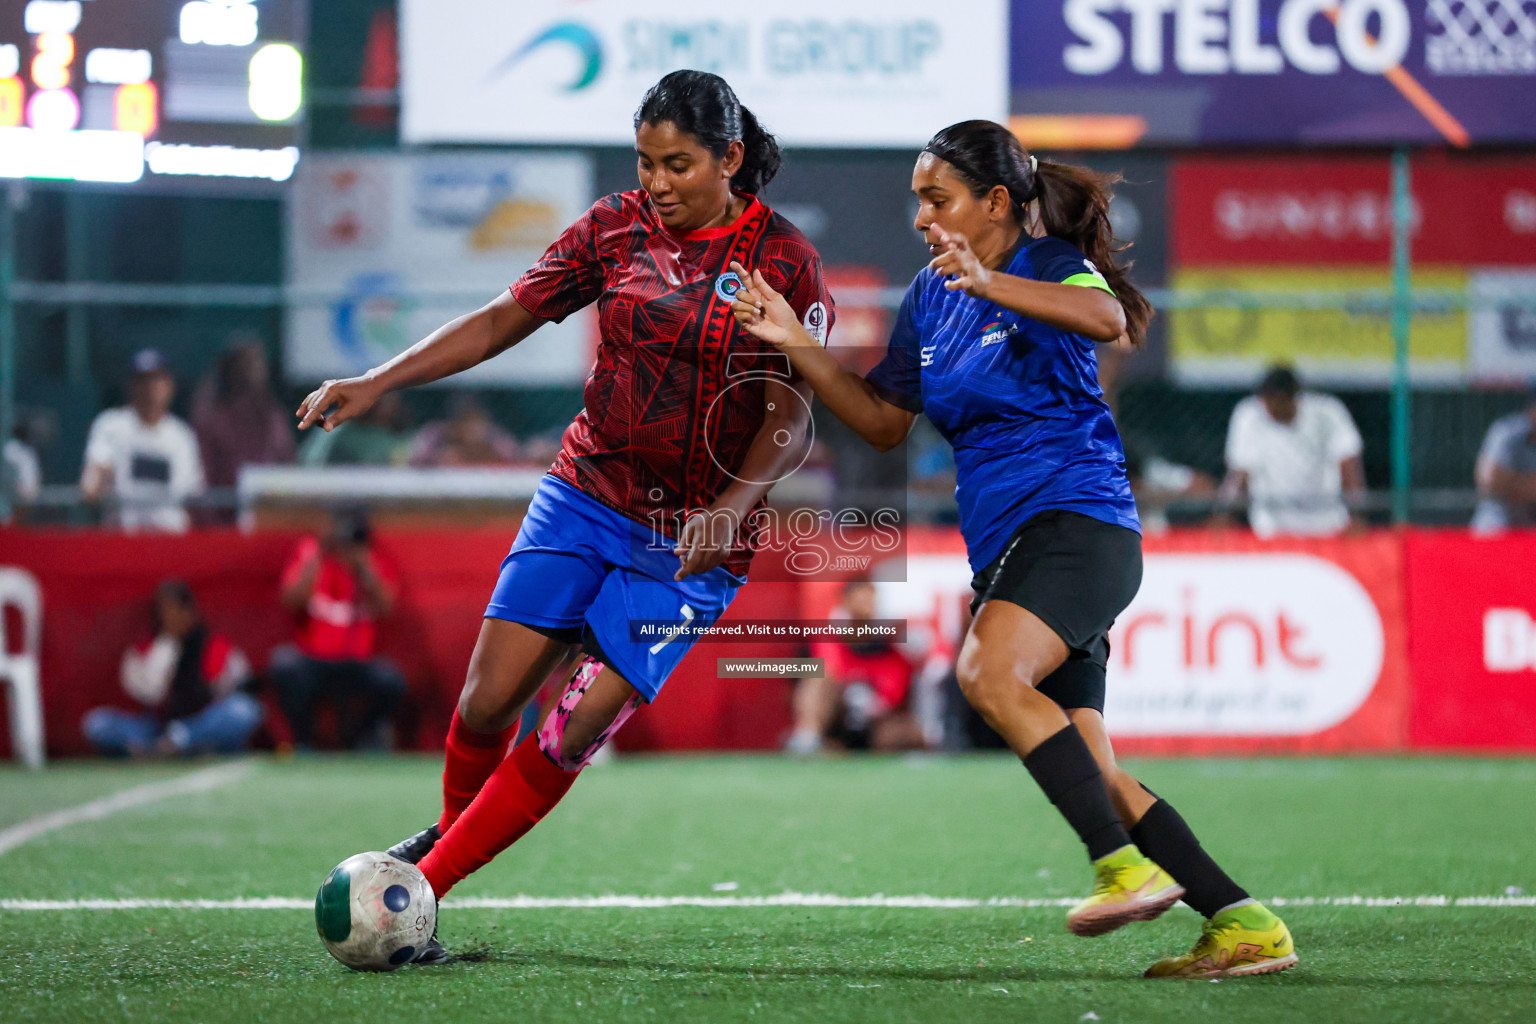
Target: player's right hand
(763,312)
(336,401)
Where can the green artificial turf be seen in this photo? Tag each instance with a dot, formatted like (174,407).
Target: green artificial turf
(752,826)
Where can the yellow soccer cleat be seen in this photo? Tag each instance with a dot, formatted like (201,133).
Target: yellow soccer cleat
(1248,939)
(1127,887)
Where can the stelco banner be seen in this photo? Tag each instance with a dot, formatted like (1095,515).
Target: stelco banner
(848,73)
(1274,71)
(384,249)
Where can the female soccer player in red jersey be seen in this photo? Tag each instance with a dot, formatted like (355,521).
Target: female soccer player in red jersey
(685,427)
(995,342)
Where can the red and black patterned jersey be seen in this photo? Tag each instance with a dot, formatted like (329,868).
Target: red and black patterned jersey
(675,398)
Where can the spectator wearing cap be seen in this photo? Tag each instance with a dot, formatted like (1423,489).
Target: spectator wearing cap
(1297,455)
(338,586)
(237,420)
(140,459)
(1506,474)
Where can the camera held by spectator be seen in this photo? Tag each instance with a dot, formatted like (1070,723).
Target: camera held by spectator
(338,586)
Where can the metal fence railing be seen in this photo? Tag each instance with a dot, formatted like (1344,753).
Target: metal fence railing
(1173,421)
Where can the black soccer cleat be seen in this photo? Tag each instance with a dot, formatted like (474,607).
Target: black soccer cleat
(433,953)
(413,849)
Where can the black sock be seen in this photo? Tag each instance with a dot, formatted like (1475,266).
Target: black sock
(1064,768)
(1164,836)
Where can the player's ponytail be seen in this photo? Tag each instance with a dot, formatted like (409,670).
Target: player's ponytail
(1073,201)
(762,159)
(703,106)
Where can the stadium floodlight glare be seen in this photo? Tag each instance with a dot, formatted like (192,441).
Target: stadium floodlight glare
(136,108)
(222,161)
(219,24)
(53,110)
(78,156)
(12,103)
(51,16)
(118,67)
(277,82)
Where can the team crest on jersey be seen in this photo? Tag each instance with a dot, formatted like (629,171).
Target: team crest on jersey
(997,332)
(815,322)
(727,285)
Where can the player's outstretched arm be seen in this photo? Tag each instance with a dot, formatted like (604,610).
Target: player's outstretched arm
(456,346)
(1091,312)
(765,314)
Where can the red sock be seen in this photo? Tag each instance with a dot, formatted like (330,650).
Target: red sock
(524,788)
(469,760)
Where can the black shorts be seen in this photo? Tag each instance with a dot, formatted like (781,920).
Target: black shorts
(1076,573)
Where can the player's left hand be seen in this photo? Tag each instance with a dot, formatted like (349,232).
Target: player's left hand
(959,264)
(763,312)
(706,541)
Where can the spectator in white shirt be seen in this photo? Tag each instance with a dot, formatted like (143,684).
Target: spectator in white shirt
(1297,455)
(21,461)
(140,457)
(1506,474)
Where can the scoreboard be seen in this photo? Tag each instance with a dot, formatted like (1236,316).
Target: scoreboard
(134,90)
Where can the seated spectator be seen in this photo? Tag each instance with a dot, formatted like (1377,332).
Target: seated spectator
(1159,485)
(1297,455)
(21,463)
(142,459)
(1506,474)
(861,702)
(192,686)
(376,438)
(468,437)
(338,586)
(237,419)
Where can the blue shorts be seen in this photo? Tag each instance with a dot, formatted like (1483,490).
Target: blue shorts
(578,565)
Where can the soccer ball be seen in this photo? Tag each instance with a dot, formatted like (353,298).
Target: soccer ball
(374,912)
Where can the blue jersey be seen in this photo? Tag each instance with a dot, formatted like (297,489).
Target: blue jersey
(1018,400)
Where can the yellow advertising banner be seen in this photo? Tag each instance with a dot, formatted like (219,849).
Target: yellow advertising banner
(1343,342)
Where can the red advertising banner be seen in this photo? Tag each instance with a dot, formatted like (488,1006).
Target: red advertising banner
(1472,646)
(1469,210)
(1233,645)
(1236,645)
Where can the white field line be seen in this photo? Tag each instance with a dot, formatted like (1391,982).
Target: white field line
(195,782)
(787,899)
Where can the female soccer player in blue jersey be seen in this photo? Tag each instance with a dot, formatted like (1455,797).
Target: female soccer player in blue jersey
(683,430)
(995,343)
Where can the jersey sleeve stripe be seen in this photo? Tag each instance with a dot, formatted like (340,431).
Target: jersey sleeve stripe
(1089,281)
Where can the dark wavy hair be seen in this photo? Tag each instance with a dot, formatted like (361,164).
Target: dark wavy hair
(704,107)
(1074,201)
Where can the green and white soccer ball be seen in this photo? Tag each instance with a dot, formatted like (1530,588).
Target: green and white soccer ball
(375,912)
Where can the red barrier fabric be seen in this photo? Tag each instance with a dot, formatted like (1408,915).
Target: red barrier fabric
(1472,641)
(1374,642)
(96,593)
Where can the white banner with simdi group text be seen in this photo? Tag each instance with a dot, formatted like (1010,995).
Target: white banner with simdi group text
(816,72)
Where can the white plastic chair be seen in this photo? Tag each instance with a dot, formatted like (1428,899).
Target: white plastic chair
(20,588)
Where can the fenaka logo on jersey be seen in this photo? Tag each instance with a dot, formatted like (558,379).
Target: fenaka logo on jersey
(727,285)
(815,322)
(997,332)
(589,51)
